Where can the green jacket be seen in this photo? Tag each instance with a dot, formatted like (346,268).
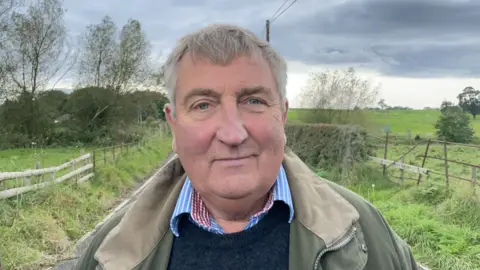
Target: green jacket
(333,228)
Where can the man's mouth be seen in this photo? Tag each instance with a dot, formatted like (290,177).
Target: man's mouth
(232,161)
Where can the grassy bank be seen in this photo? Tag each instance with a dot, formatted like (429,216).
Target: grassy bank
(440,225)
(37,227)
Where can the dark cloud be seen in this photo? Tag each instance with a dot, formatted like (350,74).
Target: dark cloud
(415,38)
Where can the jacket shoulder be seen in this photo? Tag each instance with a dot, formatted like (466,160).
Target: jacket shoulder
(381,239)
(87,260)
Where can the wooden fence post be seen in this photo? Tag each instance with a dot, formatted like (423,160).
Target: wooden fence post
(104,156)
(446,162)
(38,166)
(385,154)
(474,178)
(402,170)
(73,169)
(93,159)
(84,163)
(423,161)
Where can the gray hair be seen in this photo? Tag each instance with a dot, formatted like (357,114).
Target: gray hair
(221,44)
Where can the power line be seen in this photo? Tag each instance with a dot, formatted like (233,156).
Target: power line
(273,19)
(279,9)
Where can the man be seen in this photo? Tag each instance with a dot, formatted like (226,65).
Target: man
(234,197)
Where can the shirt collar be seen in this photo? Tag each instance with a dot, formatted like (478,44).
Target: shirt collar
(281,192)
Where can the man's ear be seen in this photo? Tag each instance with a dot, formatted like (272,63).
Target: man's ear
(169,115)
(285,112)
(174,144)
(168,110)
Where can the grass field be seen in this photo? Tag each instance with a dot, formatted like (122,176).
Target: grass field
(419,122)
(22,159)
(40,225)
(440,225)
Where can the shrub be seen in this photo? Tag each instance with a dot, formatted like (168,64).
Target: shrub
(432,194)
(322,145)
(454,125)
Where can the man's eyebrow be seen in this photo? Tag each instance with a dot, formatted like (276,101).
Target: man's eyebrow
(204,92)
(254,90)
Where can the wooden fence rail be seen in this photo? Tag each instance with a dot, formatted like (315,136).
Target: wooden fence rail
(400,165)
(81,174)
(28,173)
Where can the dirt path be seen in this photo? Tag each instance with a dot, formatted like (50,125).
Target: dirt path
(84,242)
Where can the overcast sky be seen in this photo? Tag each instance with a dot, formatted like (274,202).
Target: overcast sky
(421,51)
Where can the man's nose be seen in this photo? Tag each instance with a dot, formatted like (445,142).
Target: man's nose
(231,130)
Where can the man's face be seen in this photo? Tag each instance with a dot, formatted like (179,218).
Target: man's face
(228,131)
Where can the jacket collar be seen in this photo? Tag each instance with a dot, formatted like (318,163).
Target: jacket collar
(317,207)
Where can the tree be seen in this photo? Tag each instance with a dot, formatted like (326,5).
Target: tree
(383,106)
(98,53)
(122,63)
(6,7)
(52,103)
(131,63)
(35,52)
(453,124)
(469,101)
(448,105)
(36,45)
(91,111)
(335,94)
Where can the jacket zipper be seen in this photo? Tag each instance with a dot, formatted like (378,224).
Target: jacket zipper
(340,244)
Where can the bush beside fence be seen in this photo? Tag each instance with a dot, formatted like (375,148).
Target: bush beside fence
(323,145)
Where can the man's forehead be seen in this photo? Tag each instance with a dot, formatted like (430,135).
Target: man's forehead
(194,59)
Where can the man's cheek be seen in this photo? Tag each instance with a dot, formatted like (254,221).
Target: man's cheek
(193,141)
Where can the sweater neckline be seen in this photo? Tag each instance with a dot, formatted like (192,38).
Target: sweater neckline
(276,218)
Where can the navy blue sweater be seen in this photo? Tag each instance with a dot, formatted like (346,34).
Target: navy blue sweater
(264,246)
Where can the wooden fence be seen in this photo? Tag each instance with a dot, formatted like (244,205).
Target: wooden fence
(81,169)
(110,154)
(420,169)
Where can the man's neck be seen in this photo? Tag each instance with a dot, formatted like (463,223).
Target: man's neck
(233,216)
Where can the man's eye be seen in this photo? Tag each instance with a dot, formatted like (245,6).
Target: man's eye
(203,106)
(255,101)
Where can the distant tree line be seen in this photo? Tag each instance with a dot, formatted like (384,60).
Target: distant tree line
(342,97)
(116,80)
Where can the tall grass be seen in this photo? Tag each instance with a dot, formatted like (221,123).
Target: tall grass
(441,225)
(40,227)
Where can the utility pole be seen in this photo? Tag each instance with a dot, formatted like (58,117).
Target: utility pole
(268,30)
